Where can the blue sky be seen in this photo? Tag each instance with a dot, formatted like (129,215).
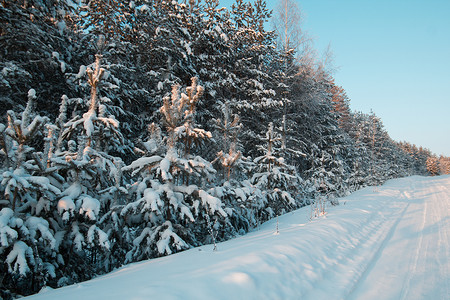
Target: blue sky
(393,56)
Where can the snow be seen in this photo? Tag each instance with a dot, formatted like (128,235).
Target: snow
(63,67)
(50,269)
(35,224)
(7,234)
(169,237)
(32,93)
(94,232)
(73,191)
(142,162)
(214,203)
(65,207)
(88,123)
(164,167)
(81,72)
(44,183)
(240,194)
(391,242)
(17,258)
(78,237)
(89,207)
(152,200)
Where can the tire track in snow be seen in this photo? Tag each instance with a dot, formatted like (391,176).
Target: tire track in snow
(435,250)
(356,253)
(351,254)
(443,229)
(446,239)
(359,263)
(377,254)
(413,267)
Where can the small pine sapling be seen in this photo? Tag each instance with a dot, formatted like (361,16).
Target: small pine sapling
(275,178)
(228,156)
(318,206)
(212,231)
(277,231)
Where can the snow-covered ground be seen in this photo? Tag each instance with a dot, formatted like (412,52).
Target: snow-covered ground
(386,243)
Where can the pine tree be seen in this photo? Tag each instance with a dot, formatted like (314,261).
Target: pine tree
(444,165)
(167,202)
(433,165)
(276,179)
(29,189)
(254,52)
(228,130)
(93,182)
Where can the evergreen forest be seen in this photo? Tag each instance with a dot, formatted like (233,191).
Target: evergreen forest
(131,130)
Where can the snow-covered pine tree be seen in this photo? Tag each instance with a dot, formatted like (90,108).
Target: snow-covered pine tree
(361,163)
(325,144)
(164,32)
(233,186)
(29,240)
(326,178)
(170,208)
(114,19)
(93,187)
(433,165)
(125,85)
(371,136)
(228,157)
(278,181)
(213,58)
(444,165)
(255,99)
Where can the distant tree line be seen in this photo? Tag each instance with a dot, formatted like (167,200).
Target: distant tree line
(136,129)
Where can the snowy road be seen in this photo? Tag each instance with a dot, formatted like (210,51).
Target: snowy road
(413,260)
(392,243)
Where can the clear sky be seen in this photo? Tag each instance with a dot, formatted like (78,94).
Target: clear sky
(393,56)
